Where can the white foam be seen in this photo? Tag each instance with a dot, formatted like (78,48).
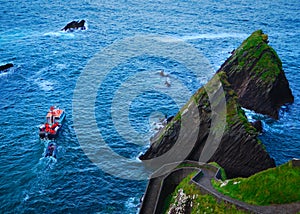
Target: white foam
(46,162)
(132,203)
(169,39)
(86,25)
(137,157)
(45,85)
(3,74)
(59,34)
(42,70)
(26,197)
(61,66)
(213,36)
(249,114)
(7,72)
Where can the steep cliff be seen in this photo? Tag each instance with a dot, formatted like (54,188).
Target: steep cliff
(252,78)
(238,150)
(255,72)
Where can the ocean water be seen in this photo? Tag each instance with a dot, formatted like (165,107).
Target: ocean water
(48,64)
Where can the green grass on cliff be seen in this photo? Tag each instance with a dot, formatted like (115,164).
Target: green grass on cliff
(255,54)
(223,173)
(201,203)
(278,185)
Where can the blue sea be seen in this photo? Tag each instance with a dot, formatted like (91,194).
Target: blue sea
(48,64)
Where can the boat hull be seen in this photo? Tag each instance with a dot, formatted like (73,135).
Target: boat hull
(54,120)
(47,135)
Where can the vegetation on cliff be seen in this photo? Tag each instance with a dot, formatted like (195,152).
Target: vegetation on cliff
(223,173)
(255,73)
(264,60)
(276,186)
(234,112)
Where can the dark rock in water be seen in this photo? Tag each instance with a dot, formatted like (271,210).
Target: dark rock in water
(74,25)
(6,66)
(169,119)
(255,72)
(258,125)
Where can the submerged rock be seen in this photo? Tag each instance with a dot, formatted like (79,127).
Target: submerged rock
(255,72)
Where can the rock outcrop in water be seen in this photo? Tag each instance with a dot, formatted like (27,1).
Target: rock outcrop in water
(252,78)
(74,25)
(5,67)
(255,73)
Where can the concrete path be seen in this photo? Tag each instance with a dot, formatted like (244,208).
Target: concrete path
(152,194)
(205,183)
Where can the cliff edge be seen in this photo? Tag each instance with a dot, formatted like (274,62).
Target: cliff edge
(253,78)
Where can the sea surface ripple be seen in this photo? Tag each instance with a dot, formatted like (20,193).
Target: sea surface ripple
(48,63)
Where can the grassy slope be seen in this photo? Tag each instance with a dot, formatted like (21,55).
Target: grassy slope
(223,173)
(201,203)
(278,185)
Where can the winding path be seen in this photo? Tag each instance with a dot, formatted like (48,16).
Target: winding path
(152,193)
(205,183)
(150,201)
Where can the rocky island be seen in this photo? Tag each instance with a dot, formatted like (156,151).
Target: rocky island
(255,73)
(3,68)
(253,78)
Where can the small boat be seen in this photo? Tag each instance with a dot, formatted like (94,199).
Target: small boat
(51,150)
(54,120)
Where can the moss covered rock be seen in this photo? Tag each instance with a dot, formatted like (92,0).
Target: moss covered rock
(255,72)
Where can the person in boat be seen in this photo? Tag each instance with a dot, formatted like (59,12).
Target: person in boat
(51,150)
(53,132)
(42,128)
(47,127)
(54,125)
